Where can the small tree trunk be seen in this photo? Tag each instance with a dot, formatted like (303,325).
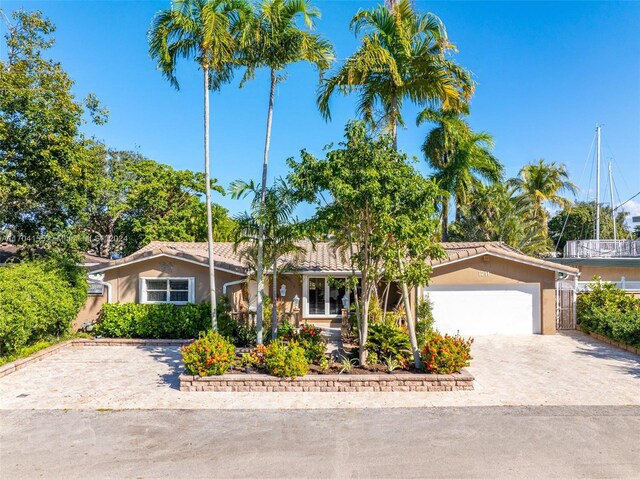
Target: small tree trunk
(265,164)
(364,328)
(385,295)
(410,322)
(207,190)
(274,305)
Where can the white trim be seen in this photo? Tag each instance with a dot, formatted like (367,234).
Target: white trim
(103,283)
(305,296)
(190,289)
(179,258)
(231,283)
(511,258)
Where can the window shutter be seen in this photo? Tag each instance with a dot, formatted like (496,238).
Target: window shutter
(192,290)
(142,291)
(305,296)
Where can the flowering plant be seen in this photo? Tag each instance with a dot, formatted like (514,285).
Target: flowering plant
(210,355)
(446,354)
(314,344)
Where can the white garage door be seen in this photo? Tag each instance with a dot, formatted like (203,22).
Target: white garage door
(478,310)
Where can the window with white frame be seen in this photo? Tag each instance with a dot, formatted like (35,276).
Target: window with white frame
(324,296)
(167,290)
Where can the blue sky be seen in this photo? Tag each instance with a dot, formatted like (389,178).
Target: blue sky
(547,73)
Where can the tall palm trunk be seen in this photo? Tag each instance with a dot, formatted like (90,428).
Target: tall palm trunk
(265,165)
(207,190)
(394,119)
(445,217)
(274,305)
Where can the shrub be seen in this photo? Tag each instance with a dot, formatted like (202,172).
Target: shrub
(286,360)
(386,341)
(446,354)
(372,358)
(38,301)
(159,321)
(169,321)
(313,343)
(245,336)
(258,355)
(607,310)
(210,355)
(424,323)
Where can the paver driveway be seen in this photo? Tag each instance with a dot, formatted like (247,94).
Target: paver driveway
(566,369)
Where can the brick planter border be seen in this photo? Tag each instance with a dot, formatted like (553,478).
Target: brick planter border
(611,342)
(43,353)
(329,383)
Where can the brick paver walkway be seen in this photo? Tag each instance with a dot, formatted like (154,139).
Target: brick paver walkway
(566,369)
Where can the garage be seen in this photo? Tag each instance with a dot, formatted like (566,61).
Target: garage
(490,288)
(488,309)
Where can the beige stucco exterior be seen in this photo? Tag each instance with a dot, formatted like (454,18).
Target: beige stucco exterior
(125,283)
(491,270)
(609,273)
(487,269)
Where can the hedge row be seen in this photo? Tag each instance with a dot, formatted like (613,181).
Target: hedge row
(168,321)
(610,312)
(38,301)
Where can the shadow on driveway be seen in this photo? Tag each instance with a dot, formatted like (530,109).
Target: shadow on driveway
(626,362)
(171,356)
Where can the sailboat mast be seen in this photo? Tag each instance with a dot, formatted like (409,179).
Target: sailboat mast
(598,183)
(613,209)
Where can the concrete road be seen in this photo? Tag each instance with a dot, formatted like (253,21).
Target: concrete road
(475,442)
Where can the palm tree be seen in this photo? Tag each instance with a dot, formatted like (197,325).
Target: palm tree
(402,56)
(274,220)
(274,40)
(461,159)
(204,31)
(543,182)
(497,213)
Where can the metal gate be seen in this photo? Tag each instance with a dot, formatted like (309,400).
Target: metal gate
(566,304)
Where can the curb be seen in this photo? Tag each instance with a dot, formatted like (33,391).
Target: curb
(610,342)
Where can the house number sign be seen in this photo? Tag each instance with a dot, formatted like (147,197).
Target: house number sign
(483,274)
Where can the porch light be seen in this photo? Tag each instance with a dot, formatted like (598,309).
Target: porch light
(296,301)
(283,290)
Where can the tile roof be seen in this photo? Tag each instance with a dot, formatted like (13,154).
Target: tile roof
(462,250)
(223,254)
(320,257)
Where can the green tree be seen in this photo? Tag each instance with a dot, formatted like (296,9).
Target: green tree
(205,31)
(274,39)
(497,213)
(460,158)
(136,200)
(379,209)
(540,183)
(402,57)
(577,221)
(46,164)
(279,229)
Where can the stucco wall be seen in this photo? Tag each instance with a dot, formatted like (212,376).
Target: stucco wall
(609,273)
(125,282)
(491,270)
